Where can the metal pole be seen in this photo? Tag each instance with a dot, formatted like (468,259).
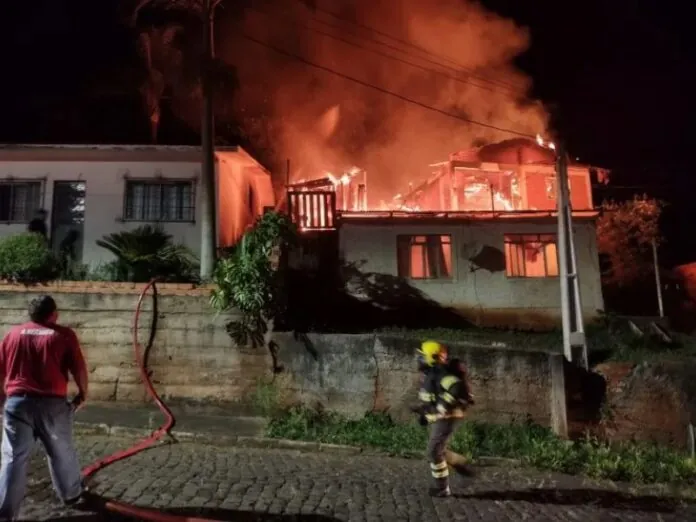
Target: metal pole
(658,282)
(209,236)
(563,254)
(571,305)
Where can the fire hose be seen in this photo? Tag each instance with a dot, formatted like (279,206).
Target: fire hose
(164,430)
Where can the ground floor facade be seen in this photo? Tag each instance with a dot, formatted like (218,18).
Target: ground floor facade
(92,191)
(495,272)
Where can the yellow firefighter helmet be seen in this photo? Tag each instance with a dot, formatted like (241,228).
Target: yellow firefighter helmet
(432,352)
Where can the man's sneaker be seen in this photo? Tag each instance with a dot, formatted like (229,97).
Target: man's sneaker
(440,493)
(81,498)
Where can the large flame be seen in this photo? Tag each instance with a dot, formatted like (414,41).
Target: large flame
(324,122)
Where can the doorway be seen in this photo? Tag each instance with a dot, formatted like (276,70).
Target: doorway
(68,219)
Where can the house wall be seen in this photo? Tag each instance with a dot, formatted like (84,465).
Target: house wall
(534,193)
(484,296)
(105,187)
(244,188)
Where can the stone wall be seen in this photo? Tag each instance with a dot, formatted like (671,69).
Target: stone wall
(194,361)
(653,401)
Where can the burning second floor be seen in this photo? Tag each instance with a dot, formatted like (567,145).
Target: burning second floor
(513,176)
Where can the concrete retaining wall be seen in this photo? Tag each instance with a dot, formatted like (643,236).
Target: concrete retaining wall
(194,360)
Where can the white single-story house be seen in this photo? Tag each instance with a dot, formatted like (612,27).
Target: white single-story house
(96,190)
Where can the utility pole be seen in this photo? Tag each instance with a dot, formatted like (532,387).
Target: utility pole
(574,342)
(658,282)
(209,233)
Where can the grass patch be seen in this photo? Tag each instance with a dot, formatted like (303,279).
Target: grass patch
(609,336)
(533,445)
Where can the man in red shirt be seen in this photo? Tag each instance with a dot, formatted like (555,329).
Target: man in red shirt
(35,359)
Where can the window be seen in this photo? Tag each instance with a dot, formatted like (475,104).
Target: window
(531,255)
(19,200)
(159,201)
(425,257)
(551,187)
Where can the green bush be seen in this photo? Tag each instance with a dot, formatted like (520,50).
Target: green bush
(533,445)
(26,258)
(148,252)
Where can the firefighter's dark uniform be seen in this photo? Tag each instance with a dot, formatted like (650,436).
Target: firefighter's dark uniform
(445,397)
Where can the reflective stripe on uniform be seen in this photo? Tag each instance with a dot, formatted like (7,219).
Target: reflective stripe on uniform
(439,470)
(433,417)
(448,397)
(448,381)
(426,396)
(441,408)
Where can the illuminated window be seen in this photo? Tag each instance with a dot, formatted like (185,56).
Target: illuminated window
(19,200)
(531,255)
(425,257)
(551,187)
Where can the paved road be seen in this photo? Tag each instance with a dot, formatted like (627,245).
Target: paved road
(253,485)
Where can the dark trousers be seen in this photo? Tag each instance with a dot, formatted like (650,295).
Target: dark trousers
(440,433)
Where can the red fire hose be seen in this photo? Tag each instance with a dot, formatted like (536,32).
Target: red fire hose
(127,509)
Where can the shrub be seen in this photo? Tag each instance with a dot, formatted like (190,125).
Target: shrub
(26,258)
(246,279)
(148,252)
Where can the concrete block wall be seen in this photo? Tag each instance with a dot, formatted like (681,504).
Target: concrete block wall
(194,361)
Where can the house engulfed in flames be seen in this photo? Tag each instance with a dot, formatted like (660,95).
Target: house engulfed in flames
(478,236)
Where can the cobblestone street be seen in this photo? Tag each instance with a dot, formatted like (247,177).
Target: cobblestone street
(280,485)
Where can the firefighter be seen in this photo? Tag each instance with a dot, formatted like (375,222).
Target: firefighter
(444,397)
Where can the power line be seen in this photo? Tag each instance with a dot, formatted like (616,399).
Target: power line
(383,90)
(395,58)
(411,44)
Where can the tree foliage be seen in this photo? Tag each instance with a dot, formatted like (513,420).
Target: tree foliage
(625,233)
(248,281)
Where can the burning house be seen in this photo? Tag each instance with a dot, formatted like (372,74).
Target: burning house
(478,236)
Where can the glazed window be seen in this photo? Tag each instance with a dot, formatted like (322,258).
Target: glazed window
(159,200)
(425,256)
(531,255)
(19,200)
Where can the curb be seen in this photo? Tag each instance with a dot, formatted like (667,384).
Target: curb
(242,441)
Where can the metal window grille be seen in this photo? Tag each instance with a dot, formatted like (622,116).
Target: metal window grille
(19,200)
(159,201)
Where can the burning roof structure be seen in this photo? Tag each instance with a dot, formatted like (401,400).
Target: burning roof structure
(513,176)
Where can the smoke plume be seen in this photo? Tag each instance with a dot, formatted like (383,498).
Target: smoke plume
(324,122)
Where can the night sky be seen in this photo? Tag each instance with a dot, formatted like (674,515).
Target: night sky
(618,74)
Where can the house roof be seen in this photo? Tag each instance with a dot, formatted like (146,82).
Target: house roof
(94,152)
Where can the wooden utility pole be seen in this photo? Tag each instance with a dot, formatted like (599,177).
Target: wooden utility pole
(574,342)
(209,232)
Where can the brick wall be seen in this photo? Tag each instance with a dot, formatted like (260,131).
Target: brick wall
(194,360)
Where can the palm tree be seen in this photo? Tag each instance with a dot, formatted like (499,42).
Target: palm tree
(153,89)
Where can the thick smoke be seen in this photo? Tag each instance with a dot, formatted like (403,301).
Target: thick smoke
(323,122)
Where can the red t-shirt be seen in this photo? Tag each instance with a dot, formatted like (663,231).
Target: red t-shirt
(36,359)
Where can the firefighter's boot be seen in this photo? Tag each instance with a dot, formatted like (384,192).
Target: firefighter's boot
(440,473)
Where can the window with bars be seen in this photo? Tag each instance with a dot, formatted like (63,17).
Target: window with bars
(425,256)
(159,200)
(19,200)
(531,255)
